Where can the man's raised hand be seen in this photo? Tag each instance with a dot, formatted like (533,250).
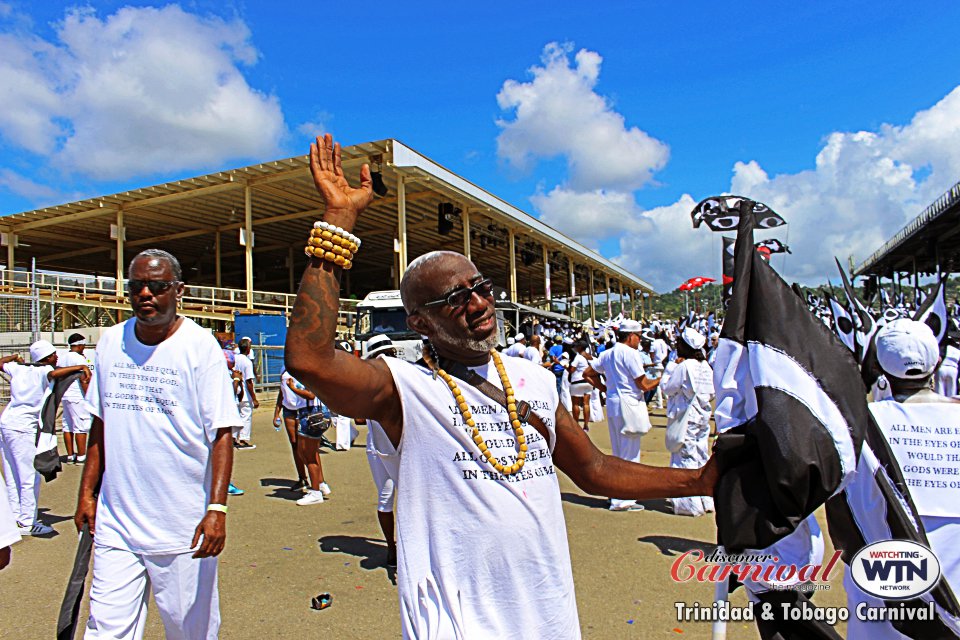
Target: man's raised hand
(344,203)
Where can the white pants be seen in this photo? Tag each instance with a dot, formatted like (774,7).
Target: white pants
(184,588)
(23,481)
(76,418)
(246,416)
(693,454)
(625,447)
(383,481)
(346,432)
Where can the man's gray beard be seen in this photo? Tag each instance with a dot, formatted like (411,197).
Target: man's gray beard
(480,346)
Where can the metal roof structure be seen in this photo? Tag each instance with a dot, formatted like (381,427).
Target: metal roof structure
(204,222)
(928,244)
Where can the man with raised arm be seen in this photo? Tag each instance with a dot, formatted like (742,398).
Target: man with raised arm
(160,455)
(480,532)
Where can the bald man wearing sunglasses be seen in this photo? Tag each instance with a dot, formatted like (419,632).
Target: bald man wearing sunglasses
(482,546)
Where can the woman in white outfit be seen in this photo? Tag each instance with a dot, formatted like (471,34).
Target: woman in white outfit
(688,385)
(579,388)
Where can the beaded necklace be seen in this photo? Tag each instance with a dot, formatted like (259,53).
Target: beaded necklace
(464,408)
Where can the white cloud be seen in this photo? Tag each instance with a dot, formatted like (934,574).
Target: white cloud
(141,91)
(862,188)
(590,216)
(316,127)
(558,113)
(22,186)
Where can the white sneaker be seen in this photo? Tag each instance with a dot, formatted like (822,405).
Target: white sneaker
(312,497)
(36,529)
(325,489)
(81,459)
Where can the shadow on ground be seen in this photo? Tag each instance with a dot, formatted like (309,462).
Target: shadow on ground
(674,546)
(282,488)
(594,502)
(373,553)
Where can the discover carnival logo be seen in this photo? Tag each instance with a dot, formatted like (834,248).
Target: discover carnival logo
(895,569)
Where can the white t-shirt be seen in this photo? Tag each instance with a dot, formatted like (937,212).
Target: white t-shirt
(161,408)
(924,438)
(245,367)
(579,365)
(516,350)
(532,354)
(480,555)
(659,350)
(29,387)
(74,392)
(621,365)
(290,400)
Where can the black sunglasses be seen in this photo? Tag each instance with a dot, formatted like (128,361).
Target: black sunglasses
(460,297)
(156,286)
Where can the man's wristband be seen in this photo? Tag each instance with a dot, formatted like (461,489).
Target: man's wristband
(222,508)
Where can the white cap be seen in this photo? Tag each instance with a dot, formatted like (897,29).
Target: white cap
(907,349)
(693,338)
(519,337)
(630,326)
(510,341)
(40,350)
(377,345)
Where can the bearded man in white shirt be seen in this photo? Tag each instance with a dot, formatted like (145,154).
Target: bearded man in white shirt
(161,404)
(476,487)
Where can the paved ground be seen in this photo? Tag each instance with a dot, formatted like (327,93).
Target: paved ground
(279,555)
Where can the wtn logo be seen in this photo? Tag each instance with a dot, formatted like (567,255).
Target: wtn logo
(895,569)
(903,570)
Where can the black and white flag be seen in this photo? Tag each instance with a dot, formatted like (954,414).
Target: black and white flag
(934,312)
(843,324)
(791,407)
(863,320)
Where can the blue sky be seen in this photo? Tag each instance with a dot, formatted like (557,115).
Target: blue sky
(840,117)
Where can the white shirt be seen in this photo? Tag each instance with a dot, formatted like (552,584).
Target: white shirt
(161,408)
(532,354)
(621,365)
(29,387)
(659,350)
(579,365)
(245,367)
(74,392)
(690,382)
(922,437)
(291,400)
(490,559)
(515,350)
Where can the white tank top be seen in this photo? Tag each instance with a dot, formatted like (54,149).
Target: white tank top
(479,555)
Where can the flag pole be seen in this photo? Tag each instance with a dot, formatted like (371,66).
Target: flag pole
(720,593)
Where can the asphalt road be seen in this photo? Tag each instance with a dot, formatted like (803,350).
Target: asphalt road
(279,555)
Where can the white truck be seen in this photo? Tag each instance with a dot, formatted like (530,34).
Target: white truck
(382,312)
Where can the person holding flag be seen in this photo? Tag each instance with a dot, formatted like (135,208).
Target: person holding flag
(908,353)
